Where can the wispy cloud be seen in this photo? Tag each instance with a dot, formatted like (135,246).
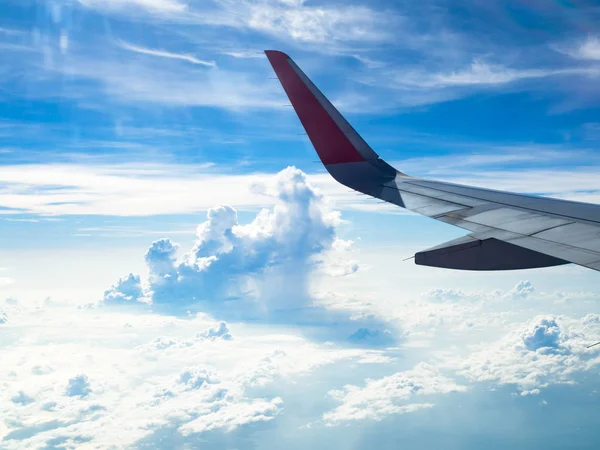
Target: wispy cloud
(140,190)
(151,189)
(284,19)
(164,54)
(137,80)
(480,73)
(168,6)
(588,49)
(498,157)
(314,24)
(397,85)
(244,54)
(11,32)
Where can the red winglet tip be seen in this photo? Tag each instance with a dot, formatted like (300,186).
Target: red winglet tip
(276,54)
(330,142)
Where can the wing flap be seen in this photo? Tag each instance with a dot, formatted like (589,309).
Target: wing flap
(575,255)
(469,253)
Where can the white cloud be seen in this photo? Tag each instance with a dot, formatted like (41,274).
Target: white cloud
(564,183)
(5,281)
(245,54)
(267,261)
(469,159)
(148,189)
(265,270)
(78,386)
(135,189)
(315,24)
(130,389)
(479,73)
(541,334)
(164,54)
(591,319)
(546,350)
(482,73)
(290,20)
(156,6)
(522,290)
(434,81)
(221,331)
(195,377)
(22,398)
(394,394)
(126,289)
(588,49)
(11,32)
(134,80)
(233,416)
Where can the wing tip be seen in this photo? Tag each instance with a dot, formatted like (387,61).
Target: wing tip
(276,54)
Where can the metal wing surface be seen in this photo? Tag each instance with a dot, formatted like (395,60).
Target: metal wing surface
(507,231)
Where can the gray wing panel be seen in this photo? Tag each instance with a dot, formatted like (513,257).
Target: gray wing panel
(562,230)
(585,212)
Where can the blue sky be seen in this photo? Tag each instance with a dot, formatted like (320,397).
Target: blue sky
(176,270)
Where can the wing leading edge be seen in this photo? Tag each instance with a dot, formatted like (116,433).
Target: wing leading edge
(508,231)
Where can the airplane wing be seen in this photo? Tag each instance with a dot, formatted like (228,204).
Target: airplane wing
(507,231)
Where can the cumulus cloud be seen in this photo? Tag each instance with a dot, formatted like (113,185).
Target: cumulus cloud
(522,290)
(22,398)
(546,350)
(126,289)
(390,395)
(591,319)
(194,378)
(365,336)
(269,260)
(262,269)
(200,382)
(544,333)
(221,331)
(78,386)
(440,309)
(339,262)
(232,416)
(444,295)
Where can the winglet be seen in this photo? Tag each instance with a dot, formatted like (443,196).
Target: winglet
(334,139)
